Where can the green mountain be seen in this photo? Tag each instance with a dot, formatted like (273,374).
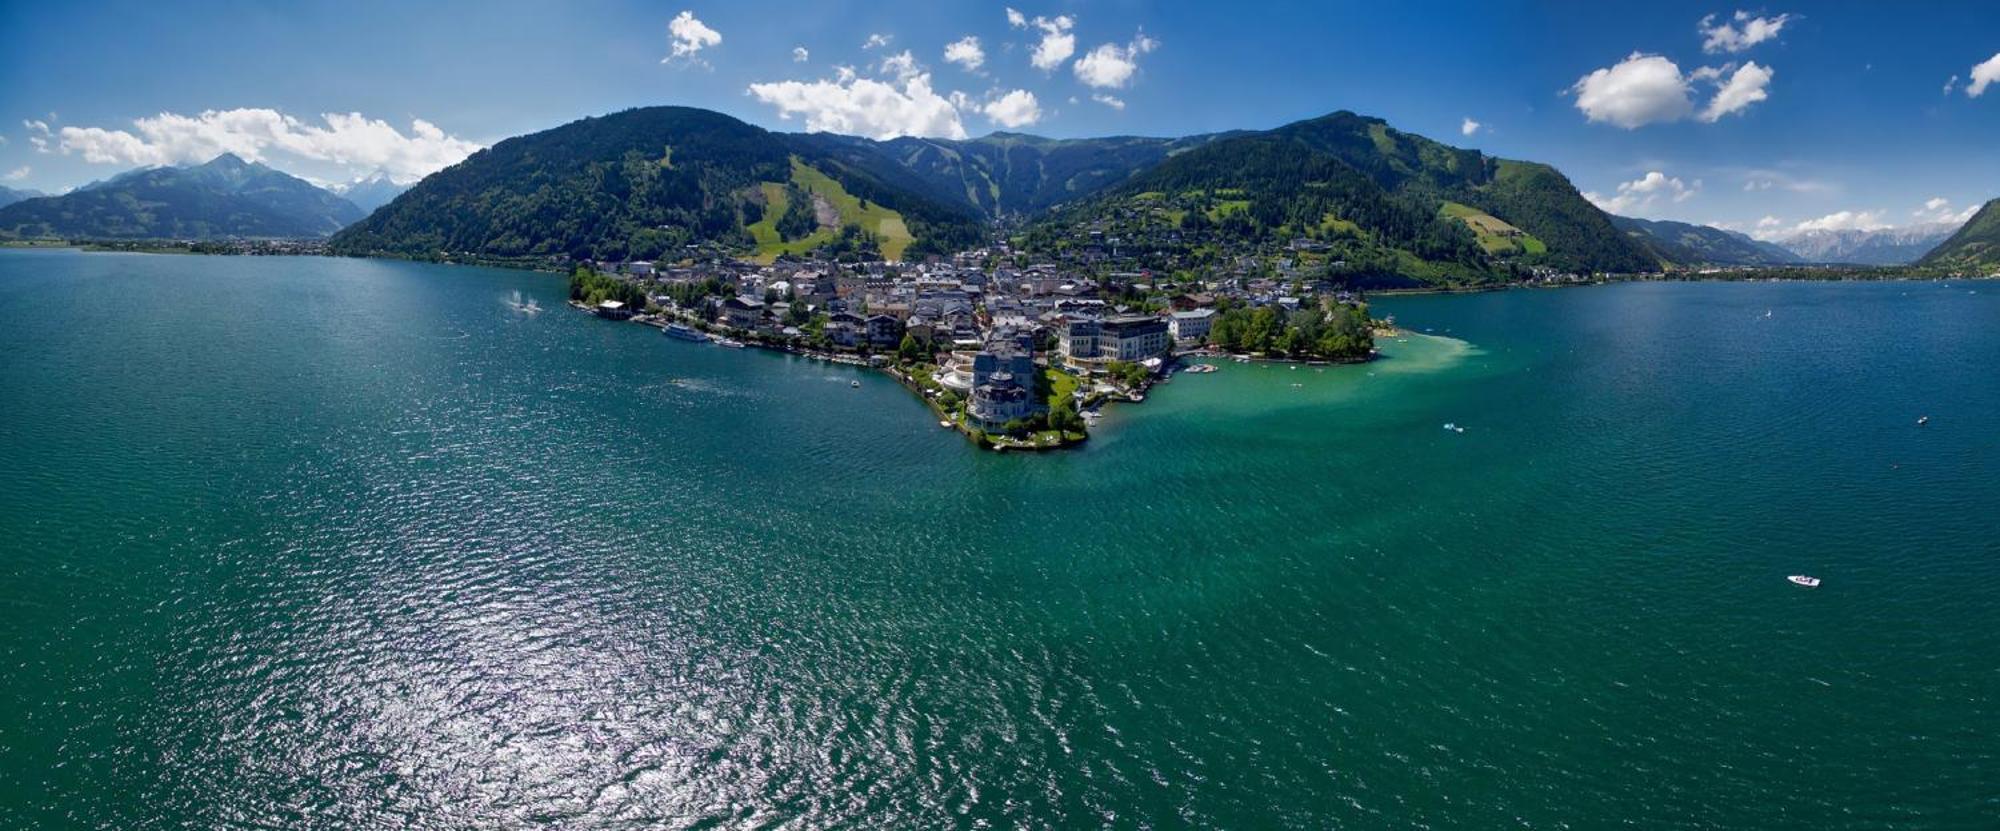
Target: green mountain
(1974,248)
(9,196)
(227,197)
(1389,207)
(1008,174)
(641,183)
(1683,244)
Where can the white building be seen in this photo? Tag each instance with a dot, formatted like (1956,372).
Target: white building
(1191,325)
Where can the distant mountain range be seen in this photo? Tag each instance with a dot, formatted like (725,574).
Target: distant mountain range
(226,197)
(1685,244)
(9,196)
(1974,247)
(370,192)
(641,183)
(1886,246)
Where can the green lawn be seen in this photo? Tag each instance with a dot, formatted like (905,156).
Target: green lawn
(888,227)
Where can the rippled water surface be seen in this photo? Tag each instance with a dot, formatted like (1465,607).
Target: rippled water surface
(315,543)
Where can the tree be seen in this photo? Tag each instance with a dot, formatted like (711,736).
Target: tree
(911,350)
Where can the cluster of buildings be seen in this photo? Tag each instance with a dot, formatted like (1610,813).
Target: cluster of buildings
(987,322)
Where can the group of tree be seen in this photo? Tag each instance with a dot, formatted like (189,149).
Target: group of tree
(590,287)
(1340,332)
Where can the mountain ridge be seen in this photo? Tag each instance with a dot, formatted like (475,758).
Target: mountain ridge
(1975,246)
(225,197)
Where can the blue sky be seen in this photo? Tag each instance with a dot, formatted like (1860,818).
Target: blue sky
(1837,115)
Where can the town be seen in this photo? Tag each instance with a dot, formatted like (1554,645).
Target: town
(1015,352)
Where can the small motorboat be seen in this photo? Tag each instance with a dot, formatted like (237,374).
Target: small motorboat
(1923,420)
(1803,580)
(1449,426)
(854,384)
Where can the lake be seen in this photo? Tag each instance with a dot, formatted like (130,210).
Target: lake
(328,543)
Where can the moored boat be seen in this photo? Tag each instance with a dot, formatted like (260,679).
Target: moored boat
(1806,581)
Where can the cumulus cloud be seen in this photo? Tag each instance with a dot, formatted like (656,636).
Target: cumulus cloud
(875,40)
(1469,127)
(1938,209)
(690,36)
(1057,43)
(1640,90)
(1951,83)
(1744,87)
(1644,192)
(902,65)
(1740,32)
(1015,109)
(1111,66)
(1843,221)
(1108,100)
(800,55)
(1650,89)
(19,173)
(350,141)
(878,109)
(1983,74)
(1769,222)
(965,52)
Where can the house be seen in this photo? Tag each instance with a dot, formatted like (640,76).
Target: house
(1191,301)
(1132,337)
(883,331)
(1079,338)
(1190,326)
(1001,399)
(742,312)
(612,310)
(639,268)
(847,330)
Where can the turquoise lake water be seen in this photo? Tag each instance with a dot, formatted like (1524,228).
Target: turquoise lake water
(322,543)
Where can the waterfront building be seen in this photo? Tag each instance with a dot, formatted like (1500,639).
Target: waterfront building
(1192,325)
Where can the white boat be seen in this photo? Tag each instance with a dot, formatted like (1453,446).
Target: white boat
(732,343)
(1453,427)
(1803,580)
(854,384)
(1923,420)
(684,332)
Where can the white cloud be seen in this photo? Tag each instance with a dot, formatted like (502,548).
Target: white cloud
(1469,127)
(875,40)
(1057,43)
(1950,84)
(1645,192)
(1108,100)
(902,65)
(1739,33)
(1762,180)
(3,141)
(1015,109)
(350,141)
(1640,90)
(1111,66)
(1938,209)
(1744,87)
(1983,74)
(38,134)
(865,106)
(965,52)
(19,173)
(1843,221)
(1650,89)
(690,36)
(1769,222)
(800,55)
